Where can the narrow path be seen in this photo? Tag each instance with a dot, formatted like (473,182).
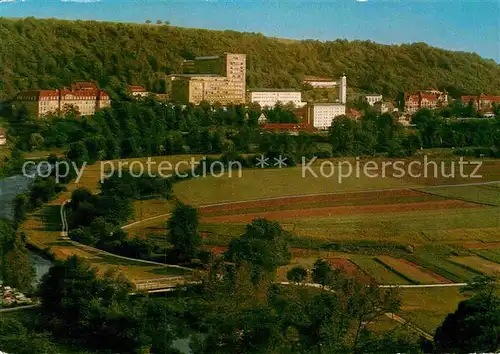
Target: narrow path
(64,235)
(19,308)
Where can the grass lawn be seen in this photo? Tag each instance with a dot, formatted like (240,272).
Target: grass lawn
(37,155)
(270,183)
(144,209)
(428,307)
(479,264)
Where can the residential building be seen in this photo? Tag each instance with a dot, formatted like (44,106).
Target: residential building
(262,119)
(319,82)
(353,113)
(270,97)
(3,137)
(430,99)
(384,107)
(320,115)
(85,97)
(213,79)
(483,102)
(405,119)
(138,91)
(372,98)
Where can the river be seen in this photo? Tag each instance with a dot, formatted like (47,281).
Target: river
(9,188)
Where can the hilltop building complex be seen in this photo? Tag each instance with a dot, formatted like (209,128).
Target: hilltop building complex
(481,102)
(85,97)
(430,99)
(213,79)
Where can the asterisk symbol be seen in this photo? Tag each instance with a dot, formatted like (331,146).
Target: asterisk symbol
(280,161)
(262,161)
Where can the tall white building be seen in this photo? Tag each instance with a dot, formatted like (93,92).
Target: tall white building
(321,115)
(343,89)
(270,97)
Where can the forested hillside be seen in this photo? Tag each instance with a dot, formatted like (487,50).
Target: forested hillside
(51,53)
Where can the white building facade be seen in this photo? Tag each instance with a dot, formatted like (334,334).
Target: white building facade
(372,99)
(319,82)
(3,137)
(269,98)
(321,115)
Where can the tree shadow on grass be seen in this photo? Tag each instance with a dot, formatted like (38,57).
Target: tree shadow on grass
(170,271)
(51,215)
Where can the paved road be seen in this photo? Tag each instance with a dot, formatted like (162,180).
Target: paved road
(19,308)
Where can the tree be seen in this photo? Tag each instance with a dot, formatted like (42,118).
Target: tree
(77,152)
(17,269)
(148,21)
(159,22)
(322,273)
(183,232)
(297,274)
(95,311)
(475,325)
(264,245)
(21,206)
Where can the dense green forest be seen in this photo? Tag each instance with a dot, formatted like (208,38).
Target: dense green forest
(52,53)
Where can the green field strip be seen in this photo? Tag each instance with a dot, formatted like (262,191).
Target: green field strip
(442,267)
(466,267)
(378,272)
(394,270)
(481,194)
(488,255)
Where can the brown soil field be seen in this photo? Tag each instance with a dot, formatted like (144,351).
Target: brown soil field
(340,210)
(349,268)
(482,245)
(301,200)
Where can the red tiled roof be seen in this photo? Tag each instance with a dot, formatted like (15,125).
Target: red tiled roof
(466,99)
(490,98)
(49,93)
(85,91)
(317,78)
(354,113)
(82,85)
(287,126)
(103,95)
(428,96)
(136,88)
